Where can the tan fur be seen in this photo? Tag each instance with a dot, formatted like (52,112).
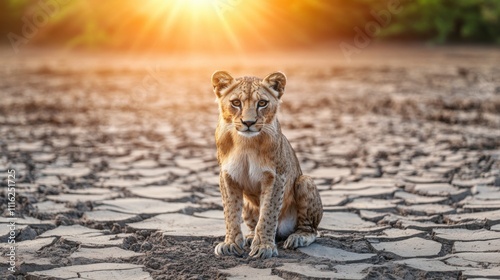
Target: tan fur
(260,174)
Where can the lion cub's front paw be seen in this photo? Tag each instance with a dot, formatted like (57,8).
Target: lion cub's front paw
(226,249)
(299,239)
(264,250)
(249,239)
(231,248)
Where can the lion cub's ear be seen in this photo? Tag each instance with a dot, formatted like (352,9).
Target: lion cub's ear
(220,81)
(276,82)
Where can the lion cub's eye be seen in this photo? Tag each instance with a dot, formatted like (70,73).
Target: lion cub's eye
(236,103)
(262,103)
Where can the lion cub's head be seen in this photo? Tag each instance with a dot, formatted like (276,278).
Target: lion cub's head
(248,104)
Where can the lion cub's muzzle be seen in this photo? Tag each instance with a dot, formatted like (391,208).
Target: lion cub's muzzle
(248,128)
(248,124)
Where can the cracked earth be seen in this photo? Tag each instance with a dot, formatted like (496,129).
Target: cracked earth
(117,178)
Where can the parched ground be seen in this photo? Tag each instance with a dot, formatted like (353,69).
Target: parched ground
(116,175)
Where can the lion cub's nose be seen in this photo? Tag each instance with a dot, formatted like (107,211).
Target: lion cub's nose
(248,123)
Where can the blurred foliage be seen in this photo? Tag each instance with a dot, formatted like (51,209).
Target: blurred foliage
(449,21)
(124,24)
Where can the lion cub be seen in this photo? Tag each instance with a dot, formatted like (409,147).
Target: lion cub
(259,172)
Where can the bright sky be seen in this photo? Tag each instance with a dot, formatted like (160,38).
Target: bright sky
(234,25)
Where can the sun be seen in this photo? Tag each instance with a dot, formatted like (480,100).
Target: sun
(200,25)
(205,6)
(191,21)
(186,7)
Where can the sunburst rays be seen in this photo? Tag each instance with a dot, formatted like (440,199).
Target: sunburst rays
(206,26)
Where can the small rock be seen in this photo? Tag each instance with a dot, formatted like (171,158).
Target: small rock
(430,265)
(26,233)
(347,222)
(245,272)
(426,209)
(477,246)
(410,248)
(334,254)
(461,234)
(349,271)
(393,234)
(418,199)
(141,206)
(473,182)
(122,271)
(146,246)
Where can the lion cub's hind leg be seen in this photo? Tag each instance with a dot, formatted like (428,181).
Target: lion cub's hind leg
(309,213)
(251,217)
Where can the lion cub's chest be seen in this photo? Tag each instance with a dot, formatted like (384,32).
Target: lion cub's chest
(246,168)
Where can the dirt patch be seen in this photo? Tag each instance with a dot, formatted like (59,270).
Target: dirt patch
(169,257)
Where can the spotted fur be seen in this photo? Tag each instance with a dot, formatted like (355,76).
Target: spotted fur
(260,176)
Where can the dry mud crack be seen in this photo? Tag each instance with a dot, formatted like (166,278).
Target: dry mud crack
(111,185)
